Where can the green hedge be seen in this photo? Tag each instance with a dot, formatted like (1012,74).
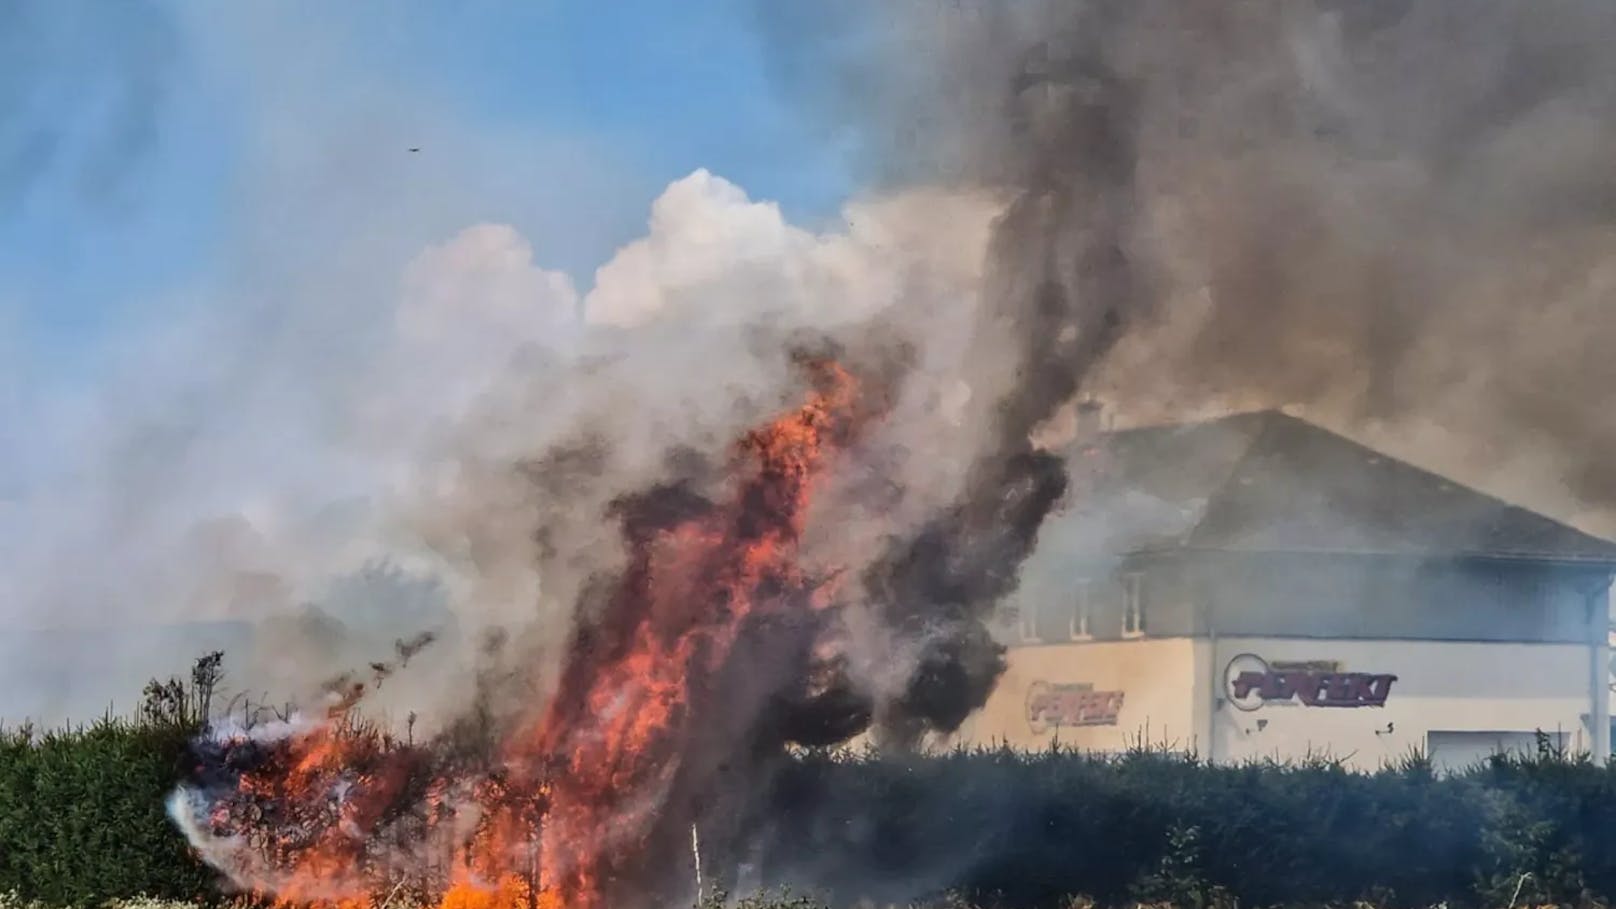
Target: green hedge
(82,815)
(1018,829)
(82,821)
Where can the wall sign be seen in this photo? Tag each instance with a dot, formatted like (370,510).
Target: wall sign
(1052,706)
(1251,682)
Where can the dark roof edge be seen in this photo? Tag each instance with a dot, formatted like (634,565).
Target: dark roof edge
(1608,564)
(1268,415)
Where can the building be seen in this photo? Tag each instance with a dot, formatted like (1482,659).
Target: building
(1257,586)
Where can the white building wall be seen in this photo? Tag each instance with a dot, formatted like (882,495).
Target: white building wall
(1600,678)
(1505,689)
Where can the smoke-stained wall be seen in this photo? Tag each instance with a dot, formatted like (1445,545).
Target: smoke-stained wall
(1345,596)
(1313,595)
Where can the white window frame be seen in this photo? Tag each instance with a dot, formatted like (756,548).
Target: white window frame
(1079,627)
(1133,605)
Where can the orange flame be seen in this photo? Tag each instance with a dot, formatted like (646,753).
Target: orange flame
(574,795)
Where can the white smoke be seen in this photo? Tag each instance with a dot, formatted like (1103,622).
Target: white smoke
(239,490)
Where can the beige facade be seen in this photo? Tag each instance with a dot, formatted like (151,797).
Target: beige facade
(1457,701)
(1101,695)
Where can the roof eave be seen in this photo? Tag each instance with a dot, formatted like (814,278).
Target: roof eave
(1607,563)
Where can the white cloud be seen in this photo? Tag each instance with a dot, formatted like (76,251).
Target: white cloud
(703,231)
(483,286)
(711,253)
(467,310)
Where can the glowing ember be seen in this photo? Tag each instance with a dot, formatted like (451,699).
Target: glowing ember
(569,803)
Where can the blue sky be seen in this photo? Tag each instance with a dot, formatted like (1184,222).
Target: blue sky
(156,156)
(208,212)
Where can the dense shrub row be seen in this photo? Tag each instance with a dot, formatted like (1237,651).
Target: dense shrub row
(82,814)
(1020,829)
(82,821)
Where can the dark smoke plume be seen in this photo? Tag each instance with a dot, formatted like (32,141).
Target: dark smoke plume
(1399,215)
(1062,285)
(1061,288)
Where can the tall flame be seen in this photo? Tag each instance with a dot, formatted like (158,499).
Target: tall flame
(573,796)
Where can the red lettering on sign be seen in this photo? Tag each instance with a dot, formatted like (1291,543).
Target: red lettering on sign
(1246,681)
(1053,706)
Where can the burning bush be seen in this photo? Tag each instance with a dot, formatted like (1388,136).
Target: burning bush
(663,704)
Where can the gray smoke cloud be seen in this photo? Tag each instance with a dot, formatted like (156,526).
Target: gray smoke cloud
(1396,215)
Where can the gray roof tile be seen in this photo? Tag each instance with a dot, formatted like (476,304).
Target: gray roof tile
(1270,482)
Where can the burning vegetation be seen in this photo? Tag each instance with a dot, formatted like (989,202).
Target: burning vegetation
(580,803)
(721,637)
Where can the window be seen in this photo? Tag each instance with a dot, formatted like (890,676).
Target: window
(1027,613)
(1133,605)
(1078,628)
(1452,751)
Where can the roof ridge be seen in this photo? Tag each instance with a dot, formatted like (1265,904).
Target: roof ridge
(1195,424)
(1221,487)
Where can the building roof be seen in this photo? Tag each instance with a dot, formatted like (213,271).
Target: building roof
(1269,482)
